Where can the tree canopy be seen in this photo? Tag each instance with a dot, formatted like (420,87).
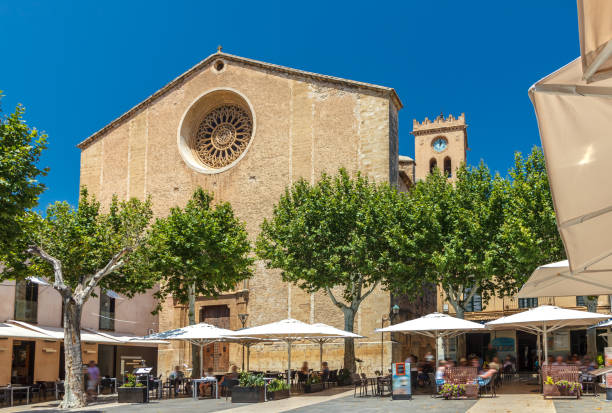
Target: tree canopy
(78,250)
(199,250)
(20,151)
(338,235)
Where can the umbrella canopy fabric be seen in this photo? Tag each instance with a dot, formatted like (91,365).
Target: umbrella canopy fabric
(556,280)
(545,319)
(595,28)
(334,334)
(288,330)
(434,325)
(200,334)
(575,120)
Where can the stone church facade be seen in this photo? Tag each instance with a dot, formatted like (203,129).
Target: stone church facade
(245,130)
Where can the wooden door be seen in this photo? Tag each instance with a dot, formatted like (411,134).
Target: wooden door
(216,355)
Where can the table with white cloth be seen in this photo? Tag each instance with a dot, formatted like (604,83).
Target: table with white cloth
(204,380)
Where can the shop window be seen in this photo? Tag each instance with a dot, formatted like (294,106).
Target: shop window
(474,303)
(107,312)
(528,302)
(26,301)
(580,301)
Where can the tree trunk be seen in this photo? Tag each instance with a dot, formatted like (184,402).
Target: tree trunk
(591,333)
(349,343)
(461,346)
(195,350)
(74,395)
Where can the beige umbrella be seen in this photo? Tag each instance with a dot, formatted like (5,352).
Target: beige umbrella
(556,280)
(334,334)
(595,27)
(575,122)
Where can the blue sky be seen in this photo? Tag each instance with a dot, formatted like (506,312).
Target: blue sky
(78,65)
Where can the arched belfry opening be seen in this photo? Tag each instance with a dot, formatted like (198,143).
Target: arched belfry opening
(433,164)
(447,167)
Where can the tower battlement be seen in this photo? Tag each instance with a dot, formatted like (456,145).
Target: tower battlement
(438,123)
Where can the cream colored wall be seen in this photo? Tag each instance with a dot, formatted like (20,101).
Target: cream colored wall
(46,360)
(303,128)
(6,357)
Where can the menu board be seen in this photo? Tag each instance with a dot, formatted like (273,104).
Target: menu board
(401,386)
(608,362)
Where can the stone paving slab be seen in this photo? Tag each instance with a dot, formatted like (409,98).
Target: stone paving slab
(513,403)
(376,404)
(584,404)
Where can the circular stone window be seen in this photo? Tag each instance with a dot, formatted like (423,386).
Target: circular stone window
(216,131)
(223,135)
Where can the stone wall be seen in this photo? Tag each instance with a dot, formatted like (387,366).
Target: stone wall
(304,126)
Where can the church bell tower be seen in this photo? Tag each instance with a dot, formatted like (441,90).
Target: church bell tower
(439,144)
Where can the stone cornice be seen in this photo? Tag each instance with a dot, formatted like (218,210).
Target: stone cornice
(438,130)
(390,92)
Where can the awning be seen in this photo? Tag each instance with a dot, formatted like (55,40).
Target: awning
(129,339)
(58,333)
(10,330)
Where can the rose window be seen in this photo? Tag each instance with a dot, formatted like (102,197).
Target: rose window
(223,135)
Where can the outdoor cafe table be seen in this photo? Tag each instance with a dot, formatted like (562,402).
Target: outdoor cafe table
(204,380)
(6,389)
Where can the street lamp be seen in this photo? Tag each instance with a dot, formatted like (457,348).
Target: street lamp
(243,319)
(394,311)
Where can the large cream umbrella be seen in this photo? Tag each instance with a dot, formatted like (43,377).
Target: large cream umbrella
(545,319)
(556,280)
(334,334)
(200,334)
(288,330)
(435,325)
(574,111)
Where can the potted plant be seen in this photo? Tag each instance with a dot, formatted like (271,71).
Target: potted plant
(250,388)
(132,392)
(550,388)
(568,388)
(313,384)
(278,389)
(452,391)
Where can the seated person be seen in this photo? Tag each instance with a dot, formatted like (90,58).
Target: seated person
(232,375)
(440,373)
(176,378)
(494,364)
(205,385)
(325,371)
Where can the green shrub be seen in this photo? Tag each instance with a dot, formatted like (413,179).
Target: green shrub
(131,381)
(276,385)
(313,379)
(247,379)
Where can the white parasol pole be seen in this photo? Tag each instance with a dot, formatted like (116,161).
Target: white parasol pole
(202,360)
(289,364)
(539,347)
(545,337)
(321,354)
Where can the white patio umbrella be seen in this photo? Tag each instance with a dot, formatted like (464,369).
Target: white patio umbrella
(435,325)
(556,280)
(288,330)
(574,110)
(200,334)
(334,334)
(545,319)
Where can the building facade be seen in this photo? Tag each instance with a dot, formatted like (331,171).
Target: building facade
(31,333)
(246,130)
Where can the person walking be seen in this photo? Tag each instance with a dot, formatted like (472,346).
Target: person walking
(93,379)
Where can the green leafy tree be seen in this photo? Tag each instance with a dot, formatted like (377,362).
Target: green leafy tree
(529,236)
(199,250)
(339,235)
(457,226)
(20,150)
(81,249)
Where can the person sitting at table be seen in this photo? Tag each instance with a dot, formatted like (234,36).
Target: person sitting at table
(176,378)
(441,373)
(227,379)
(305,368)
(206,384)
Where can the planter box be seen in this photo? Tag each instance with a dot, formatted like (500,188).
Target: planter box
(471,391)
(312,388)
(132,395)
(278,395)
(248,394)
(550,390)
